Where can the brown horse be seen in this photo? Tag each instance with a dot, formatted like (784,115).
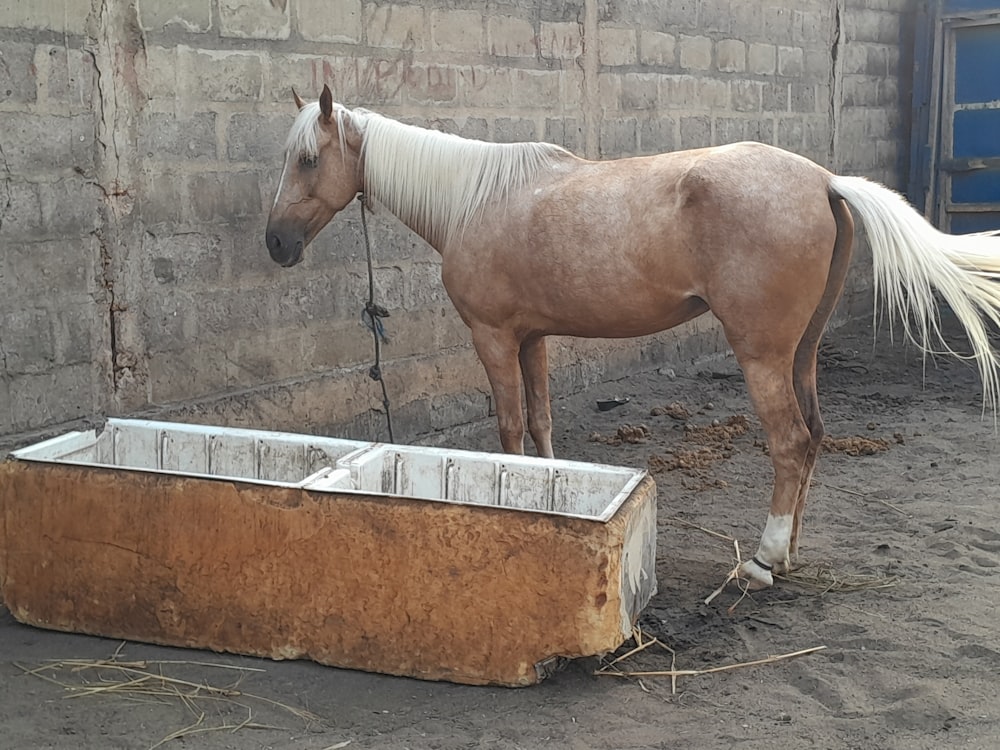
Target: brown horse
(535,241)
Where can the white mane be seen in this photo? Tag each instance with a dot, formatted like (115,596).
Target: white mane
(434,182)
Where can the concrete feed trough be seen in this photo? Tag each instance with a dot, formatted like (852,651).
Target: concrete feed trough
(432,563)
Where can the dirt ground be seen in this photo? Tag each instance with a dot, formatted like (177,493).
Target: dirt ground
(901,547)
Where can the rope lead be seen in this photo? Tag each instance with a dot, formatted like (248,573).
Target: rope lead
(372,315)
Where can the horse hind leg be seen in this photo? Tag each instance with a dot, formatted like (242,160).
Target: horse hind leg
(770,383)
(808,400)
(804,368)
(535,370)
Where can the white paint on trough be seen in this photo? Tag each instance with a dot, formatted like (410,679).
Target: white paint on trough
(323,464)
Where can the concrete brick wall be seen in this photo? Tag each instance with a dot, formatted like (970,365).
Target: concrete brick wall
(141,143)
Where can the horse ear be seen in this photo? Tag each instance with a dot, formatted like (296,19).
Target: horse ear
(326,103)
(298,99)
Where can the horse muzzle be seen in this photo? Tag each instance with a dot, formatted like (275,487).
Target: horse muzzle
(285,250)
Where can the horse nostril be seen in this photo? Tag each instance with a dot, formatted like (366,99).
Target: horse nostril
(273,242)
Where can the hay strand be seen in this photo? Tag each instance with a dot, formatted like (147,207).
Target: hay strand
(824,579)
(674,673)
(137,681)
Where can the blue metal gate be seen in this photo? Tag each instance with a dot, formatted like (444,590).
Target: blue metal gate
(955,155)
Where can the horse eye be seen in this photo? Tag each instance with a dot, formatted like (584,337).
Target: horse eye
(309,161)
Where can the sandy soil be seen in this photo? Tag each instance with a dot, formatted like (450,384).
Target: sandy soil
(907,534)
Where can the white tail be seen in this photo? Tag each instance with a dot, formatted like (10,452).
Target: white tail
(911,259)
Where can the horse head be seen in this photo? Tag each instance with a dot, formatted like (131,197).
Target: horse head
(319,178)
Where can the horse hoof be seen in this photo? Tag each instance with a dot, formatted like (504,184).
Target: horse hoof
(756,577)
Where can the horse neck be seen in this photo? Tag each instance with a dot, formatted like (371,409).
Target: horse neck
(437,183)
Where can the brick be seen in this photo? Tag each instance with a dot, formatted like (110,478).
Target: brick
(21,218)
(65,75)
(509,36)
(473,127)
(73,326)
(774,97)
(50,269)
(802,97)
(431,84)
(422,286)
(243,19)
(715,16)
(6,417)
(189,15)
(762,58)
(69,207)
(560,41)
(327,347)
(790,61)
(778,24)
(696,132)
(810,27)
(618,137)
(822,96)
(790,132)
(536,87)
(713,93)
(159,75)
(28,340)
(224,196)
(166,136)
(729,130)
(652,15)
(888,92)
(514,130)
(257,138)
(190,373)
(853,58)
(657,134)
(189,259)
(862,25)
(760,129)
(303,73)
(746,95)
(35,144)
(565,132)
(816,138)
(731,55)
(223,76)
(696,52)
(880,123)
(396,26)
(680,91)
(357,80)
(62,394)
(60,16)
(817,63)
(389,285)
(323,21)
(639,91)
(17,72)
(617,46)
(876,60)
(609,87)
(162,198)
(747,19)
(657,48)
(457,31)
(462,408)
(484,87)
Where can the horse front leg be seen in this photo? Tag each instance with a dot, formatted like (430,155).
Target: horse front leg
(498,351)
(535,369)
